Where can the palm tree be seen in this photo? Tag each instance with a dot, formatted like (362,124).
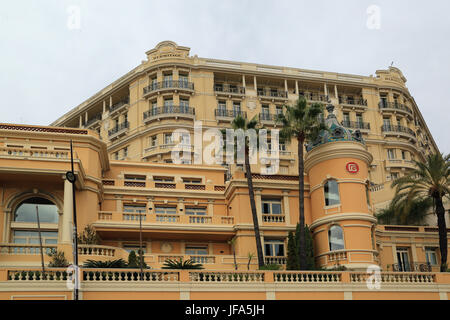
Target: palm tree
(301,121)
(428,179)
(241,123)
(414,215)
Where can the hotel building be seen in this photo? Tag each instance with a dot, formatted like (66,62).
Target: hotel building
(127,187)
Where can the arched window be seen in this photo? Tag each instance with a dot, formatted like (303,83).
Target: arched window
(336,238)
(26,212)
(331,190)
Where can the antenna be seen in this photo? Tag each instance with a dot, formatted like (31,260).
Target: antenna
(392,63)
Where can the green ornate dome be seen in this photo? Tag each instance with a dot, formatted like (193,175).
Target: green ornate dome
(337,132)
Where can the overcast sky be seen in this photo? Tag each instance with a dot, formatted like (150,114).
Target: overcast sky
(49,63)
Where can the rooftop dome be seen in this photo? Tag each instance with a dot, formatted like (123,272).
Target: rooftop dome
(337,132)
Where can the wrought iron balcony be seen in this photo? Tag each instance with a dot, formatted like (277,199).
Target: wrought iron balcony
(268,117)
(356,125)
(226,88)
(315,97)
(272,93)
(401,129)
(394,106)
(412,266)
(119,105)
(357,102)
(122,127)
(169,84)
(229,113)
(90,122)
(169,111)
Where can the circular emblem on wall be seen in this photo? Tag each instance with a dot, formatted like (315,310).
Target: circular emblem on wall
(352,167)
(166,247)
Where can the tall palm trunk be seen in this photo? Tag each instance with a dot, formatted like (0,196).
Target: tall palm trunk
(440,212)
(251,193)
(301,204)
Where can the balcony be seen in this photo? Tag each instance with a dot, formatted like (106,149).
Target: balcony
(272,94)
(94,121)
(315,97)
(395,107)
(118,130)
(229,90)
(156,114)
(119,106)
(228,115)
(356,125)
(169,85)
(268,118)
(398,131)
(399,163)
(273,218)
(412,267)
(353,104)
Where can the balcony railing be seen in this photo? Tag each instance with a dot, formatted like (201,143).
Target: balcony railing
(275,260)
(96,118)
(169,84)
(394,105)
(229,113)
(356,102)
(119,128)
(226,88)
(356,125)
(169,110)
(402,129)
(412,266)
(267,116)
(119,105)
(315,97)
(272,93)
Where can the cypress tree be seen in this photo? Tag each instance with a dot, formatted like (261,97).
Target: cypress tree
(293,259)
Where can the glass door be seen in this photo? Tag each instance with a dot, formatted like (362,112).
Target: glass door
(403,259)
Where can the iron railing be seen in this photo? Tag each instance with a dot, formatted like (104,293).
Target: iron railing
(119,127)
(356,125)
(357,102)
(229,113)
(226,88)
(315,97)
(412,266)
(169,84)
(272,93)
(392,128)
(119,104)
(394,105)
(96,118)
(169,110)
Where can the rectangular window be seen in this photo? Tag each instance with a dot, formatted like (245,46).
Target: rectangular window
(134,177)
(32,237)
(265,109)
(279,110)
(166,210)
(236,108)
(192,180)
(394,175)
(431,257)
(196,250)
(153,141)
(271,206)
(163,179)
(183,79)
(116,155)
(168,138)
(134,208)
(391,153)
(403,155)
(359,119)
(274,248)
(346,117)
(168,80)
(196,211)
(125,152)
(387,122)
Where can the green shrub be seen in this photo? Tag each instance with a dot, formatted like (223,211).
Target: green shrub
(58,259)
(119,263)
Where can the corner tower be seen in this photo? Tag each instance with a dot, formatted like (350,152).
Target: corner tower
(341,219)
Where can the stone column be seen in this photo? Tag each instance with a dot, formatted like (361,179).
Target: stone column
(287,215)
(210,208)
(81,121)
(254,83)
(335,92)
(258,205)
(67,216)
(285,85)
(243,80)
(296,86)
